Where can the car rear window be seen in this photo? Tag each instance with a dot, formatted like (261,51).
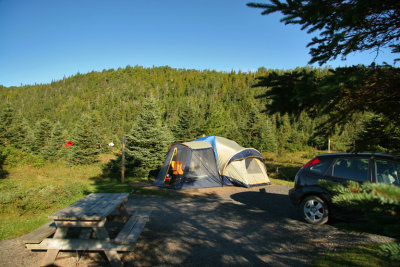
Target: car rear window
(320,167)
(387,171)
(351,168)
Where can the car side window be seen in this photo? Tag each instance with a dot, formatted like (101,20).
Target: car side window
(387,171)
(320,167)
(351,168)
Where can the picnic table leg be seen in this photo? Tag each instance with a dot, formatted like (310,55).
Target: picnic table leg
(112,256)
(51,254)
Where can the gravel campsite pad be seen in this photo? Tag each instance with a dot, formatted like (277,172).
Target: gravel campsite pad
(211,227)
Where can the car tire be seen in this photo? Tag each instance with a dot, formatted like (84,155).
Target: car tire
(314,210)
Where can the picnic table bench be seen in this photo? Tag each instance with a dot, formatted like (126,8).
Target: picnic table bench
(89,216)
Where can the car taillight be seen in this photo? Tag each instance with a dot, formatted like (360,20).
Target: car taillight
(311,163)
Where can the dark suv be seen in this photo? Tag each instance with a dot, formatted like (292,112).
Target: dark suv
(314,201)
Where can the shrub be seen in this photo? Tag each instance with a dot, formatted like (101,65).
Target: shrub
(379,202)
(392,251)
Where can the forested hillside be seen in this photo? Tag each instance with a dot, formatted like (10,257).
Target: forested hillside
(103,106)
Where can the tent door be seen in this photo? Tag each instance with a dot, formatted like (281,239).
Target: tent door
(174,172)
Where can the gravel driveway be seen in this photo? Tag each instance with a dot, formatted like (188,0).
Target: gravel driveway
(214,227)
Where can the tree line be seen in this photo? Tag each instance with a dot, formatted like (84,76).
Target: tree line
(97,108)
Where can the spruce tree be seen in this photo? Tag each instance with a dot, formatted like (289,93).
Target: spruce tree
(285,130)
(269,141)
(341,27)
(188,127)
(29,141)
(86,141)
(6,121)
(215,120)
(42,137)
(147,142)
(253,127)
(19,132)
(57,142)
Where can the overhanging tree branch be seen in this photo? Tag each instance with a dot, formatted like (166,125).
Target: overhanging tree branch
(342,27)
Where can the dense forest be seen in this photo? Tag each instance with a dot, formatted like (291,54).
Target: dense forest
(101,107)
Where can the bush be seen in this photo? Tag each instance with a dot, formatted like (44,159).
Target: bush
(14,157)
(379,202)
(392,251)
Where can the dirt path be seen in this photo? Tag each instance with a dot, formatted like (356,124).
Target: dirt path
(213,227)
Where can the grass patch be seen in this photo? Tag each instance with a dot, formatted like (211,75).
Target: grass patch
(281,182)
(365,255)
(13,226)
(285,166)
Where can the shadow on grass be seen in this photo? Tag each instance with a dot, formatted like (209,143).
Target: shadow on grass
(357,256)
(385,229)
(110,181)
(3,173)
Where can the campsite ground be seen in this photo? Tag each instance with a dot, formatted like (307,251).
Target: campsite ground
(214,227)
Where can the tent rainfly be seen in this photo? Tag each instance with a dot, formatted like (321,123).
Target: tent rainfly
(242,166)
(210,162)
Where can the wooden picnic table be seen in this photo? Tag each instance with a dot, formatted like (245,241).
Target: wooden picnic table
(89,215)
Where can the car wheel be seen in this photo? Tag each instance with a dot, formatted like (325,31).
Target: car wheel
(314,210)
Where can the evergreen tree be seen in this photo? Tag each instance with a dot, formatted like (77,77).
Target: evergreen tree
(12,127)
(285,130)
(342,27)
(57,142)
(42,137)
(215,120)
(19,131)
(379,202)
(269,141)
(147,142)
(29,141)
(7,116)
(255,127)
(188,126)
(86,141)
(379,135)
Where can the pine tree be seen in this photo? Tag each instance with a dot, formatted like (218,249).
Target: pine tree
(147,142)
(269,142)
(379,135)
(188,126)
(215,120)
(19,131)
(341,27)
(29,141)
(42,137)
(254,128)
(57,142)
(284,132)
(7,116)
(86,141)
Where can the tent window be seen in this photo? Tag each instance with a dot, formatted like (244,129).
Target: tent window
(252,166)
(203,165)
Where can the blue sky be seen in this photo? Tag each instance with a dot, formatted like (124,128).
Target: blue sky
(43,40)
